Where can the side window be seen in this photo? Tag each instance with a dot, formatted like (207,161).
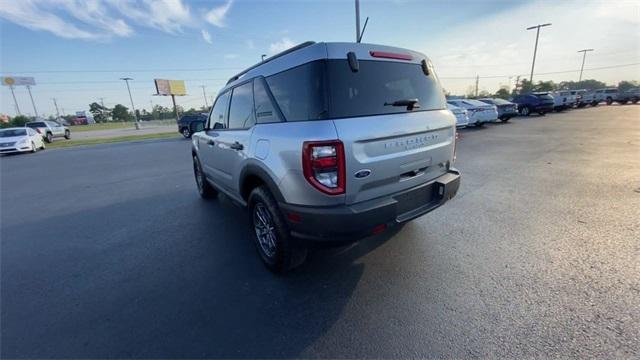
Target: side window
(219,111)
(241,109)
(300,92)
(265,111)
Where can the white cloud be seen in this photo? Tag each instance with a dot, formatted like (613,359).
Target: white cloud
(94,13)
(166,15)
(206,36)
(282,45)
(30,15)
(217,15)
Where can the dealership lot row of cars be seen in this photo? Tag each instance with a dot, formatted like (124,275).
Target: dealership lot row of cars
(486,110)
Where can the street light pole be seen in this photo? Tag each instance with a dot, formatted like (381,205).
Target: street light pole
(126,80)
(535,49)
(206,104)
(14,100)
(56,105)
(584,55)
(32,102)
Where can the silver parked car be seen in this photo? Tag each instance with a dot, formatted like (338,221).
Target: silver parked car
(506,109)
(462,117)
(50,129)
(329,142)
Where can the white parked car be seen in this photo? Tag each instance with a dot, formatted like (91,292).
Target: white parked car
(563,99)
(478,112)
(462,117)
(608,95)
(15,140)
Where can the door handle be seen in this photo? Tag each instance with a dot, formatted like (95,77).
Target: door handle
(236,146)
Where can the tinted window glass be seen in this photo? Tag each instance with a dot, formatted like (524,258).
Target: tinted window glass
(13,132)
(265,112)
(36,124)
(300,92)
(241,109)
(219,111)
(611,91)
(378,82)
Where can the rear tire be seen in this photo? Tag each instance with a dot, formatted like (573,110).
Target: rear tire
(635,100)
(49,138)
(205,189)
(525,111)
(186,132)
(542,113)
(278,250)
(594,103)
(67,134)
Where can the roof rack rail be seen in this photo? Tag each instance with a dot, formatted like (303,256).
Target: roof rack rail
(280,54)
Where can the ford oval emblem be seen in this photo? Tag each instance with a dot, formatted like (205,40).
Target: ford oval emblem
(362,173)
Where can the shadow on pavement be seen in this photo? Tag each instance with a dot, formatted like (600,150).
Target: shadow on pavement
(167,276)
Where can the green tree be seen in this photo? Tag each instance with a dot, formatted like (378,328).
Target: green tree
(626,85)
(121,113)
(502,93)
(545,86)
(99,112)
(19,121)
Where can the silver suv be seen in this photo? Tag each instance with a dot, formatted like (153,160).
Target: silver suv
(49,129)
(329,142)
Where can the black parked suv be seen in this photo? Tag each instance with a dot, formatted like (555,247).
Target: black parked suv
(191,123)
(540,103)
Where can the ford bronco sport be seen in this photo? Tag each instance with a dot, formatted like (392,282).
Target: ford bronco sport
(328,142)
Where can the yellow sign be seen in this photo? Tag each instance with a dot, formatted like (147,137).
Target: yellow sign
(18,80)
(170,87)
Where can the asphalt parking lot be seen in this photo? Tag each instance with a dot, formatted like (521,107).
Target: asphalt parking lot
(107,251)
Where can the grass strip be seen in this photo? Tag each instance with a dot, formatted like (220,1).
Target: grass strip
(68,143)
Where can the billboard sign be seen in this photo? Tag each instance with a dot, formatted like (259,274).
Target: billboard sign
(18,80)
(170,87)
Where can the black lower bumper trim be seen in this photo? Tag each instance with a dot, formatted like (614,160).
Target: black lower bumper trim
(343,223)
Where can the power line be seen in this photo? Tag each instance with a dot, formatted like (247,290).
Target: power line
(120,71)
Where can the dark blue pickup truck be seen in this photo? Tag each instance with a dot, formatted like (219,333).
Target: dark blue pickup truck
(540,103)
(191,123)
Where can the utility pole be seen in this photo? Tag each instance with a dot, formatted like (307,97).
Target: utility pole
(357,20)
(477,81)
(101,101)
(135,116)
(32,102)
(584,55)
(206,104)
(535,49)
(104,109)
(517,82)
(56,105)
(14,100)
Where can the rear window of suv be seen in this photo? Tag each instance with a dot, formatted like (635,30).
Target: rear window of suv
(329,89)
(36,125)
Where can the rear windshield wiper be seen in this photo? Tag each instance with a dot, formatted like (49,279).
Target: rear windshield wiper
(409,103)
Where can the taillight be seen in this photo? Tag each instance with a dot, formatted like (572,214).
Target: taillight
(323,165)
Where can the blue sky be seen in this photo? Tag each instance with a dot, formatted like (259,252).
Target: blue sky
(77,50)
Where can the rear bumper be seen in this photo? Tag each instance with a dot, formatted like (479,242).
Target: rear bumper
(353,222)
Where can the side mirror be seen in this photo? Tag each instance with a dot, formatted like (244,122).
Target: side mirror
(218,126)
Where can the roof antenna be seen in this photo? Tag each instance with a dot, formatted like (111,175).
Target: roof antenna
(363,29)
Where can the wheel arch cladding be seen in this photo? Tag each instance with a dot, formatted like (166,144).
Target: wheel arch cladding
(252,176)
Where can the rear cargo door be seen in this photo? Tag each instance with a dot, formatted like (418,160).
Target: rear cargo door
(393,122)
